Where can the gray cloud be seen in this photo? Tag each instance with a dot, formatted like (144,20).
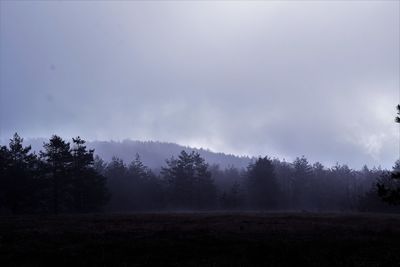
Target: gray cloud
(284,79)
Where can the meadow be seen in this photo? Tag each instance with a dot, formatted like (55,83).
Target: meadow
(201,239)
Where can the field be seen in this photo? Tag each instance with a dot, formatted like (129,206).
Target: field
(201,239)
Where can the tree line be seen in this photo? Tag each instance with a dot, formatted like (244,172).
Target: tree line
(60,179)
(67,178)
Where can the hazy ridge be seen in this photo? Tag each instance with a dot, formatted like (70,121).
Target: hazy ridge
(152,153)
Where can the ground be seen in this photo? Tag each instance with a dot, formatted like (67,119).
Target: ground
(201,239)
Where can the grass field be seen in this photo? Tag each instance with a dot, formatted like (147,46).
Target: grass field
(201,239)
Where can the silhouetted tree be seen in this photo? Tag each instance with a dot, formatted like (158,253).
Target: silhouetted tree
(343,187)
(147,191)
(371,201)
(189,183)
(263,188)
(88,187)
(233,198)
(72,180)
(388,186)
(99,165)
(17,182)
(117,176)
(225,178)
(321,187)
(4,163)
(284,176)
(301,182)
(58,160)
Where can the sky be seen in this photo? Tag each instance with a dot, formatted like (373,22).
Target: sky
(284,79)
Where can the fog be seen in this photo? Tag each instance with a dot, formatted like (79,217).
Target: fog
(282,79)
(199,133)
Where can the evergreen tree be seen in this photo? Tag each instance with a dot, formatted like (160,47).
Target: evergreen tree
(189,182)
(263,188)
(138,170)
(99,165)
(388,186)
(117,181)
(58,160)
(301,181)
(4,176)
(147,192)
(134,187)
(18,188)
(88,187)
(284,174)
(321,188)
(233,198)
(343,187)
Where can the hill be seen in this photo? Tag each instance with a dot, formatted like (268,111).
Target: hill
(152,153)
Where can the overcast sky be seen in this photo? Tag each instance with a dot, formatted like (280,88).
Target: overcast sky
(284,79)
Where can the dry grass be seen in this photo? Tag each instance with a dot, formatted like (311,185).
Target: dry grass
(201,239)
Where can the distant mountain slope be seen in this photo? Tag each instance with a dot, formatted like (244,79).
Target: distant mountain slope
(153,154)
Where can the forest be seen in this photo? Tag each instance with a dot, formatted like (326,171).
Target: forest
(69,178)
(199,133)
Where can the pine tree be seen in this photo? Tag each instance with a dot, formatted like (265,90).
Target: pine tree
(301,182)
(263,188)
(88,187)
(18,190)
(58,160)
(189,182)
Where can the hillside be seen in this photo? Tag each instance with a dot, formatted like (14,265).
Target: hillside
(152,153)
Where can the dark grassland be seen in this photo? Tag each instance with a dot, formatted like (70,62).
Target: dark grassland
(201,239)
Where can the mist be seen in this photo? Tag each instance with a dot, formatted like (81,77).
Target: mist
(284,79)
(199,133)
